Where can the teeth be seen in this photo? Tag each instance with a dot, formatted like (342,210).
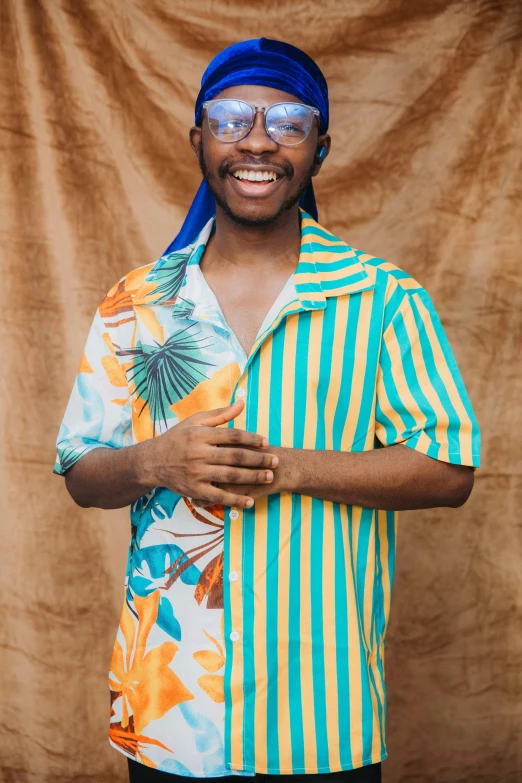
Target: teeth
(255,176)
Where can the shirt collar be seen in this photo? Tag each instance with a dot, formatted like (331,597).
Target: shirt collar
(327,267)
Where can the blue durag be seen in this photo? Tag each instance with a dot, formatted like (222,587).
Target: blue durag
(270,64)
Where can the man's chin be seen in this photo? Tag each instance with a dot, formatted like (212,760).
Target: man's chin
(252,219)
(256,216)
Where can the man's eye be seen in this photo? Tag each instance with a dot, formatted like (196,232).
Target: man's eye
(287,127)
(235,124)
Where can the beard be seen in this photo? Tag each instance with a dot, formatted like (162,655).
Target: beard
(242,220)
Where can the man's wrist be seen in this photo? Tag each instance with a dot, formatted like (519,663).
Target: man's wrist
(288,472)
(143,464)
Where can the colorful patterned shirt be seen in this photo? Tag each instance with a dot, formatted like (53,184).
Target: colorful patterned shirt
(253,640)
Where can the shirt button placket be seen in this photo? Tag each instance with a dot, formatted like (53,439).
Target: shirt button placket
(233,575)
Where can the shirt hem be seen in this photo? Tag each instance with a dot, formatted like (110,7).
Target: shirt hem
(308,770)
(132,757)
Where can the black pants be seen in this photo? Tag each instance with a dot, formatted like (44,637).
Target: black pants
(139,773)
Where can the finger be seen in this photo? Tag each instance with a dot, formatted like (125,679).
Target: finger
(256,492)
(219,416)
(248,490)
(230,475)
(244,457)
(228,498)
(231,436)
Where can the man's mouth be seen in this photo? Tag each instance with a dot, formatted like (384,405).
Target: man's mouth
(255,182)
(256,176)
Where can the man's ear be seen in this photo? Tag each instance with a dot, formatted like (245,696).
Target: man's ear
(324,144)
(195,139)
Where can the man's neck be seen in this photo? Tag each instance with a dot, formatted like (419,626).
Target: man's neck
(235,247)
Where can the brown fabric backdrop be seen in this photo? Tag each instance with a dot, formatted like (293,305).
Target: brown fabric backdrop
(96,176)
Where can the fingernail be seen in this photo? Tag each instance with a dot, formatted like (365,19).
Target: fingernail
(249,503)
(275,462)
(264,443)
(269,475)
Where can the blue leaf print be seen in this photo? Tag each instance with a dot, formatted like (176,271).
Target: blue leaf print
(175,767)
(166,619)
(159,558)
(165,501)
(93,408)
(141,586)
(208,741)
(156,506)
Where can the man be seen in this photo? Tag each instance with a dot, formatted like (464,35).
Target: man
(265,398)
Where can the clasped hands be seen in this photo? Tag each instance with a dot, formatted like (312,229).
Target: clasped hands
(211,464)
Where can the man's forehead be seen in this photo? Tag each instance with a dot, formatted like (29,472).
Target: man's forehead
(257,94)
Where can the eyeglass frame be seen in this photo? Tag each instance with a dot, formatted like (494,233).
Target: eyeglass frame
(263,109)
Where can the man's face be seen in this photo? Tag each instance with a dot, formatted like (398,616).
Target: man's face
(256,203)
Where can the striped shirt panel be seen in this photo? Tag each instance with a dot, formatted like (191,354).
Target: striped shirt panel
(361,361)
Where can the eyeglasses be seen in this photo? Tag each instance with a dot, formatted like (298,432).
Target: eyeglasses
(286,123)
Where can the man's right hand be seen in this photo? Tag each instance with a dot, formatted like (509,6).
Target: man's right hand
(198,453)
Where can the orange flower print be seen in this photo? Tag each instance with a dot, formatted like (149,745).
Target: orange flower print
(117,302)
(143,680)
(211,661)
(132,744)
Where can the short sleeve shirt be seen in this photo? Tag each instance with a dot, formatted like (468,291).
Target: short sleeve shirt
(253,640)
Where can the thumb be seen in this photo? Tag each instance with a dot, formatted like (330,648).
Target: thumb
(220,415)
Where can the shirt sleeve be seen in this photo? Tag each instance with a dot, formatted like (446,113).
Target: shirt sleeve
(421,399)
(98,414)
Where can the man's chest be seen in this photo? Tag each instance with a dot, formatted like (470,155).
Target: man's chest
(245,305)
(311,379)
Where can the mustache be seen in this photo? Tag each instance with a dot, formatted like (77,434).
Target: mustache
(225,167)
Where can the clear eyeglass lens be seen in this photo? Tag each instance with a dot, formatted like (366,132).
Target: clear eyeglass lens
(230,120)
(288,123)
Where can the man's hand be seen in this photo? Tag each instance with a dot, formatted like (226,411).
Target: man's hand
(285,478)
(208,463)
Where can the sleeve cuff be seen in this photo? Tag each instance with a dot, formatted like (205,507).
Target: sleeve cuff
(68,456)
(421,442)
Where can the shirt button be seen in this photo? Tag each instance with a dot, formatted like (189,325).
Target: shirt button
(234,636)
(234,514)
(240,392)
(233,576)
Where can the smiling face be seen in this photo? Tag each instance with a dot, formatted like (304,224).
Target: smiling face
(255,180)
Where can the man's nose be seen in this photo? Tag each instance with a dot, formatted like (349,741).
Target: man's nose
(258,140)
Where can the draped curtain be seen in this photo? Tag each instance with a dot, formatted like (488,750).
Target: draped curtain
(96,176)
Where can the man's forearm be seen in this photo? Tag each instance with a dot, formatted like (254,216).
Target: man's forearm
(394,478)
(109,478)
